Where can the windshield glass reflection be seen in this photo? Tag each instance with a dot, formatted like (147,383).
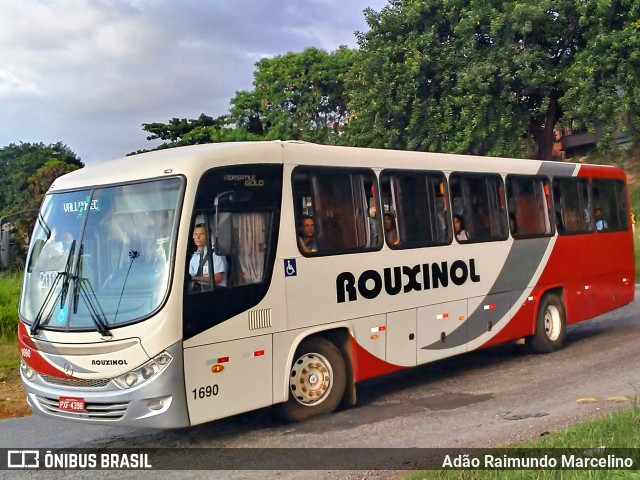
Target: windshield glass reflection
(101,258)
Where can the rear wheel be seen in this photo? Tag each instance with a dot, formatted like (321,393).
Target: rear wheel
(551,325)
(317,380)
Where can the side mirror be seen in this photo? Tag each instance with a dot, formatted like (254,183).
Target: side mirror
(35,254)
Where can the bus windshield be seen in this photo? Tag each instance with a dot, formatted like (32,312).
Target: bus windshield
(100,258)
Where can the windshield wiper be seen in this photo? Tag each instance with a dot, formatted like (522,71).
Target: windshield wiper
(82,289)
(44,225)
(88,294)
(40,316)
(60,296)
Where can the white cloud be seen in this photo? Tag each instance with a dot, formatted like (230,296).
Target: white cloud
(90,72)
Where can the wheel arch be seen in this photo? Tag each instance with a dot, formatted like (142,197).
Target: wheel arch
(539,342)
(341,337)
(558,291)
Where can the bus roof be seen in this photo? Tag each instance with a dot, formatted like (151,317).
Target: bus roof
(192,161)
(189,161)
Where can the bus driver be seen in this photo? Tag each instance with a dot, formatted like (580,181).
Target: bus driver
(199,265)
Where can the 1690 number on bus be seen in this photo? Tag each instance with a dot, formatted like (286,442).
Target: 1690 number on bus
(205,392)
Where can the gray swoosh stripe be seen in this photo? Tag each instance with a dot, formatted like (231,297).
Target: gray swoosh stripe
(553,169)
(519,267)
(521,264)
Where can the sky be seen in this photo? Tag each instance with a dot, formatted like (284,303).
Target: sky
(89,73)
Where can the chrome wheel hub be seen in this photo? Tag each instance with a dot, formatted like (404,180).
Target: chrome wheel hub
(311,379)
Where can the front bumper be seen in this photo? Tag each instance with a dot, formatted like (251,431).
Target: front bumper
(157,403)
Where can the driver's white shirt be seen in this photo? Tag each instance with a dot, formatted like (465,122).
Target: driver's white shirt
(219,265)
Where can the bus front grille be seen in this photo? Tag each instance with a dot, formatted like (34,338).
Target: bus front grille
(75,382)
(94,411)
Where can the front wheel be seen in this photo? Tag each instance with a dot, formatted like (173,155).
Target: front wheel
(317,380)
(551,325)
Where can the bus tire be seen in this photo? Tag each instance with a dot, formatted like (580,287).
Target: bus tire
(317,380)
(551,325)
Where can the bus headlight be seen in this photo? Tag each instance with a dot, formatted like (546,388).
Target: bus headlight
(27,371)
(145,372)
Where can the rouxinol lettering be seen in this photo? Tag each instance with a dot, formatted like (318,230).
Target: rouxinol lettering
(404,279)
(109,362)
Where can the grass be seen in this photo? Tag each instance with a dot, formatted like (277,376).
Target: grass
(9,359)
(10,285)
(616,430)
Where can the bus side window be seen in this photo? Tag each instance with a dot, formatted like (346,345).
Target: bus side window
(610,205)
(528,203)
(415,208)
(573,205)
(478,200)
(343,207)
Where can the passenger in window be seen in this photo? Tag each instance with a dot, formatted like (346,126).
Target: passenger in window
(458,229)
(199,265)
(390,232)
(307,241)
(601,224)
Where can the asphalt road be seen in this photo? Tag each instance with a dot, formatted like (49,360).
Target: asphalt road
(495,397)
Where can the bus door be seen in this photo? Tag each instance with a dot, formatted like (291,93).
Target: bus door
(229,315)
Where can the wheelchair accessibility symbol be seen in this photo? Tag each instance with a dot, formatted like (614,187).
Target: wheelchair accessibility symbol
(290,267)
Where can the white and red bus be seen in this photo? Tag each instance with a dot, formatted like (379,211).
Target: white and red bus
(113,328)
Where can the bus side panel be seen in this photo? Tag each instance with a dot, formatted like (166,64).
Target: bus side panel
(227,378)
(401,337)
(369,347)
(595,271)
(613,290)
(594,274)
(436,326)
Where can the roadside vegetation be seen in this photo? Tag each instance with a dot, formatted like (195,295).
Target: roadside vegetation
(619,429)
(10,284)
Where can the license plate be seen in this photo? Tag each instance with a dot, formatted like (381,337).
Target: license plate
(71,404)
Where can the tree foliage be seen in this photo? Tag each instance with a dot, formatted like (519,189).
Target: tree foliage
(297,96)
(604,80)
(205,129)
(492,77)
(27,170)
(488,77)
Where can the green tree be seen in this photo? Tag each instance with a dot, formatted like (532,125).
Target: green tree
(41,180)
(21,164)
(205,129)
(298,96)
(492,77)
(603,90)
